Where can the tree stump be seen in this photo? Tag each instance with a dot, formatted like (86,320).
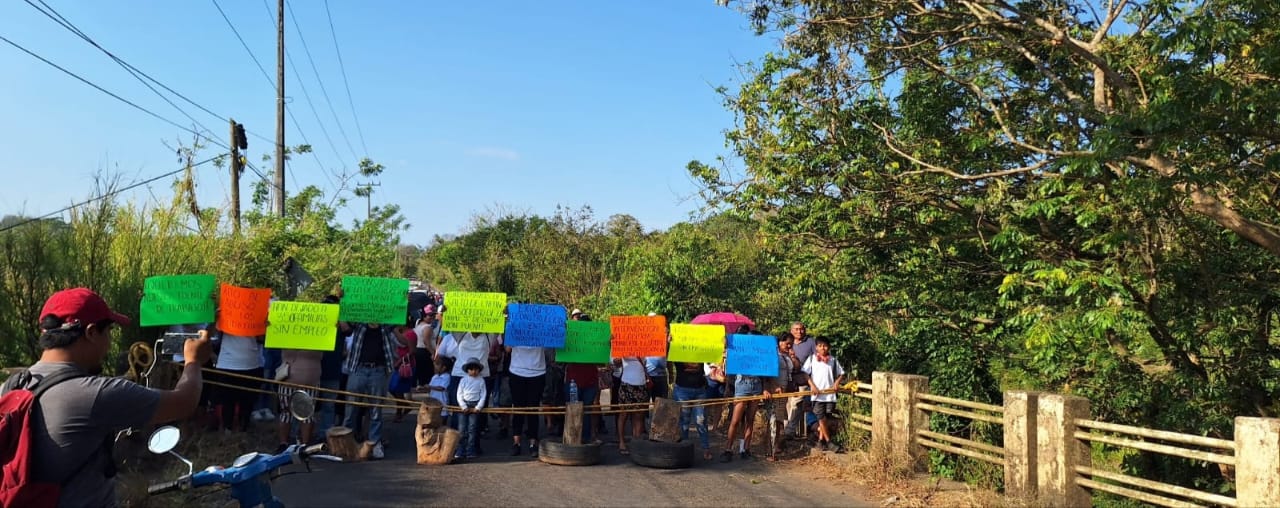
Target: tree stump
(760,429)
(436,445)
(342,443)
(572,424)
(664,425)
(366,451)
(429,414)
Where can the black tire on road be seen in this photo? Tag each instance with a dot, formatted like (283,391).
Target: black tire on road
(560,454)
(662,455)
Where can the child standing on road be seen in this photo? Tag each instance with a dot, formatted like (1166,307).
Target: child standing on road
(471,397)
(825,373)
(439,383)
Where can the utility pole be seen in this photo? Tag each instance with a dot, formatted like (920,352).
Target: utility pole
(279,183)
(365,190)
(238,142)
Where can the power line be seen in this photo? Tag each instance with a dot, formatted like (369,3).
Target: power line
(296,125)
(99,88)
(231,25)
(270,82)
(137,73)
(345,83)
(323,90)
(109,194)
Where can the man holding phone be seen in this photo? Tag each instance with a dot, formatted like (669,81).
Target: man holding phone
(74,422)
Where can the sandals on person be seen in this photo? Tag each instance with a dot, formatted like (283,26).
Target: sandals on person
(624,451)
(706,455)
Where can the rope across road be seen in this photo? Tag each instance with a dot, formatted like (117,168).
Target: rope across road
(394,403)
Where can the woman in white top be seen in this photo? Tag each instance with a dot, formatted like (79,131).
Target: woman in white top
(461,346)
(527,376)
(632,390)
(239,355)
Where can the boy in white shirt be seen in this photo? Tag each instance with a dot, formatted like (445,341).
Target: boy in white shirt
(825,373)
(471,397)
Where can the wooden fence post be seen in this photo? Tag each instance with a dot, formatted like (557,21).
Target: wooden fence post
(895,418)
(1257,461)
(1059,452)
(1020,444)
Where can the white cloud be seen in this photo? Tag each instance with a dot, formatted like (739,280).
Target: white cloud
(493,152)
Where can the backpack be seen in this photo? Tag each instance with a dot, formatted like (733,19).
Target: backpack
(17,487)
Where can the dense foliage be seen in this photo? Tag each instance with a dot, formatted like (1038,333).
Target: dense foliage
(112,247)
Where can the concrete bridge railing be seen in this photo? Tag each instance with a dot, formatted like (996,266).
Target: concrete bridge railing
(1046,452)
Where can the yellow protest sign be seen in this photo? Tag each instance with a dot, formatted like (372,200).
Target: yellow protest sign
(300,325)
(474,312)
(696,343)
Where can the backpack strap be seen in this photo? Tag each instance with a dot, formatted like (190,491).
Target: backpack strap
(24,379)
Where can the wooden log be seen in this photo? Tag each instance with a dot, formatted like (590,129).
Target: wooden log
(366,451)
(429,414)
(572,423)
(664,425)
(436,445)
(760,430)
(342,443)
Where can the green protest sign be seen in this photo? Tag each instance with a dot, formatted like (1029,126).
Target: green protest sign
(300,325)
(374,300)
(585,342)
(177,300)
(474,312)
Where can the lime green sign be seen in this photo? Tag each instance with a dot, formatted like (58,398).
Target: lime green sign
(177,300)
(585,342)
(300,325)
(374,300)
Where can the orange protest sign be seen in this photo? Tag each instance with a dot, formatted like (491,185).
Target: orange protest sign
(638,336)
(243,311)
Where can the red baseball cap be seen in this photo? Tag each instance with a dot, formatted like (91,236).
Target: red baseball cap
(80,305)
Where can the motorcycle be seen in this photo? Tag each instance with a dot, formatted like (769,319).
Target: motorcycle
(250,475)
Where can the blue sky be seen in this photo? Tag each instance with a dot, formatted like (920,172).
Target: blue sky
(471,106)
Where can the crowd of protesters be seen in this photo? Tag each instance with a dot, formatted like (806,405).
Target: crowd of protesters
(477,370)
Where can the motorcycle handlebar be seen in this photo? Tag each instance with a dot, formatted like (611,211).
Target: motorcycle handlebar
(161,488)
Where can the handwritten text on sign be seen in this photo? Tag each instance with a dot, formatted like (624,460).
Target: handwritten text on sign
(474,312)
(243,311)
(696,343)
(638,336)
(375,300)
(535,325)
(585,342)
(177,300)
(299,325)
(752,355)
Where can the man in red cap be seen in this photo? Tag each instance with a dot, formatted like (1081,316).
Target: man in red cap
(74,422)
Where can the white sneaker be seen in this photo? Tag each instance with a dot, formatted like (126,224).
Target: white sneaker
(256,415)
(377,451)
(267,415)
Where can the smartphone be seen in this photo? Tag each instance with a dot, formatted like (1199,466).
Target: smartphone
(173,343)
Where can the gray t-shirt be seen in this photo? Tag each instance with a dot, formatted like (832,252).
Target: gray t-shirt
(69,424)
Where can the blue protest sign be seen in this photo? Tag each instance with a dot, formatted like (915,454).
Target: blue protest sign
(751,355)
(535,325)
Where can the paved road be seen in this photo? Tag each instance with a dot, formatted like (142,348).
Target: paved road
(497,479)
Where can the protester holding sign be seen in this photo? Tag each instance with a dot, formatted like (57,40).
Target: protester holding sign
(238,354)
(691,384)
(750,357)
(631,390)
(372,354)
(461,346)
(427,332)
(526,376)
